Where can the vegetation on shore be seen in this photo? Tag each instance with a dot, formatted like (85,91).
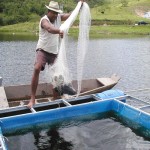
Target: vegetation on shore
(108,17)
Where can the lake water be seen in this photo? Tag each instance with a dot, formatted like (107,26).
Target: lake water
(129,57)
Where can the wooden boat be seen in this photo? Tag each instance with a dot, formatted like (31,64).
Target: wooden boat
(20,94)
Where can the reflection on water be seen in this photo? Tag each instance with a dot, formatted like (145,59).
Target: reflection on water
(92,132)
(51,139)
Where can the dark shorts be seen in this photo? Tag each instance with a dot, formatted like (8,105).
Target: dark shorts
(43,57)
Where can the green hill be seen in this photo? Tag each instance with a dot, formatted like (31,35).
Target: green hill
(121,11)
(118,11)
(23,16)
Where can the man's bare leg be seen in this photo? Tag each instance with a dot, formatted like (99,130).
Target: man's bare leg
(34,84)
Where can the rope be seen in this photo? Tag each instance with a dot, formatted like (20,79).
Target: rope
(136,90)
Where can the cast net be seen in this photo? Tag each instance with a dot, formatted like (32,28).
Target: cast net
(60,72)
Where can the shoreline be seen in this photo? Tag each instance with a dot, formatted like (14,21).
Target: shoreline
(95,30)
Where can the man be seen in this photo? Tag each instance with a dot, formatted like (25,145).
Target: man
(47,47)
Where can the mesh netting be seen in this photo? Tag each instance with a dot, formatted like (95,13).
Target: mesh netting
(83,39)
(59,72)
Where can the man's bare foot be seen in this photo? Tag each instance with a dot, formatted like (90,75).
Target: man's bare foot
(55,98)
(66,96)
(31,103)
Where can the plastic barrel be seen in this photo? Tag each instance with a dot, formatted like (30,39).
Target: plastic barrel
(111,94)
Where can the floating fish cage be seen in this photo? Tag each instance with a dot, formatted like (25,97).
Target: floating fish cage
(18,118)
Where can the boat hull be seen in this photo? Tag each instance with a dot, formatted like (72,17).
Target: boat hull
(20,94)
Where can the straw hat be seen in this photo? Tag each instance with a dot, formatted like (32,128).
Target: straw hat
(54,7)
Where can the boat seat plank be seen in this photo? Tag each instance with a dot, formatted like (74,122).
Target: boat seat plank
(3,98)
(106,81)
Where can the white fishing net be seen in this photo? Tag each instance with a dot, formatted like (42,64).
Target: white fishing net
(59,72)
(83,39)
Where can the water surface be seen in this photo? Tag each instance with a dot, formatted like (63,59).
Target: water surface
(127,57)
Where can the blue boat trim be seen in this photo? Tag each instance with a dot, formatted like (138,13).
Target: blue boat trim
(103,102)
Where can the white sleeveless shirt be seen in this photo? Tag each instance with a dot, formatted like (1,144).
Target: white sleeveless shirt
(47,41)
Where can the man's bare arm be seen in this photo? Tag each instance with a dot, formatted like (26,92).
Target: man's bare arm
(50,28)
(65,16)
